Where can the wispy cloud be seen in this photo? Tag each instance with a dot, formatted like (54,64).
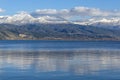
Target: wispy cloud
(76,11)
(63,15)
(2,10)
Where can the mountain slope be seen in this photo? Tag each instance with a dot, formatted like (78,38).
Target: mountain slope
(56,32)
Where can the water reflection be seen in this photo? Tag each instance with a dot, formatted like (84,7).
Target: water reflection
(78,63)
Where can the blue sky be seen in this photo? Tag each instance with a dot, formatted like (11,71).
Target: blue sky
(13,6)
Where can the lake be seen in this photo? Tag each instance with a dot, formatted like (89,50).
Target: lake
(59,60)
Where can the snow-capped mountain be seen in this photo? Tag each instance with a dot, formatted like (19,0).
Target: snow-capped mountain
(26,18)
(102,22)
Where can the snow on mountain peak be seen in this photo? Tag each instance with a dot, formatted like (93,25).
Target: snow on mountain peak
(100,22)
(25,18)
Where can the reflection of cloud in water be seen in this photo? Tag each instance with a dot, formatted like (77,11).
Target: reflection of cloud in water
(77,62)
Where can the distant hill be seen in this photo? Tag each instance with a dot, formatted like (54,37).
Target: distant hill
(66,31)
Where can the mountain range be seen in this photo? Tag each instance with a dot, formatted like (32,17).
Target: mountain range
(57,31)
(25,26)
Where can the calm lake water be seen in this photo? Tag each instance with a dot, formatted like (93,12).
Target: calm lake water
(59,60)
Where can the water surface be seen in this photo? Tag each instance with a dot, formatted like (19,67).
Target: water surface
(59,60)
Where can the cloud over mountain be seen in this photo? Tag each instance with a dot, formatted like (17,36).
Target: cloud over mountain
(59,16)
(77,11)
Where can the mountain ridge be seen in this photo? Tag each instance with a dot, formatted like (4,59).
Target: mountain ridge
(61,31)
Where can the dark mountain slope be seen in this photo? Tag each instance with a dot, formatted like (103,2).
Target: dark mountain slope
(56,31)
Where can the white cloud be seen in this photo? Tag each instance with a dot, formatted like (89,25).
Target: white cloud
(59,16)
(46,11)
(2,10)
(85,11)
(76,11)
(63,13)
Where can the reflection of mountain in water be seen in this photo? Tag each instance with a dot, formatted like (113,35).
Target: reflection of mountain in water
(70,62)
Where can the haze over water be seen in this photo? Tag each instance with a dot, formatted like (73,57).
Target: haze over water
(59,60)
